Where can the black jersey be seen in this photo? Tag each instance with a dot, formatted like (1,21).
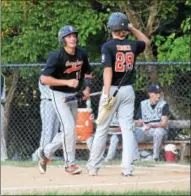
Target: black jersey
(2,83)
(121,56)
(62,65)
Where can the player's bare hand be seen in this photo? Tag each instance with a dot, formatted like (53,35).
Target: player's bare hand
(73,83)
(140,123)
(146,127)
(86,93)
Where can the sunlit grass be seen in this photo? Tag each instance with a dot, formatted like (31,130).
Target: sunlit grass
(114,162)
(140,192)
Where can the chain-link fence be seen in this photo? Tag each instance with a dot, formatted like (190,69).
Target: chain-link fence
(22,123)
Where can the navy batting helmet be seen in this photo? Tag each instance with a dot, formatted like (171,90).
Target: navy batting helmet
(64,31)
(117,22)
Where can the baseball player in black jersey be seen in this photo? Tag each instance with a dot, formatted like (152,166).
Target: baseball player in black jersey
(118,57)
(152,119)
(65,73)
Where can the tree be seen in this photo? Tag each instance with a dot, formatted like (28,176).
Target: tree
(154,18)
(176,47)
(29,28)
(29,32)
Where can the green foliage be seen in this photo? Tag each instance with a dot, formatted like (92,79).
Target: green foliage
(167,11)
(173,49)
(185,26)
(29,30)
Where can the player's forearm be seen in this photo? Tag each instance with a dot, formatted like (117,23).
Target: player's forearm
(140,36)
(107,77)
(163,124)
(158,125)
(87,89)
(51,81)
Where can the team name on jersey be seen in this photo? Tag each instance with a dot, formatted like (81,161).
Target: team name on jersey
(123,47)
(73,66)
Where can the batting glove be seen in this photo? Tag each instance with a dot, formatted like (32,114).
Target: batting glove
(105,99)
(130,26)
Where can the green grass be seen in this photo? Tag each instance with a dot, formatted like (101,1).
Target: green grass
(19,163)
(83,163)
(140,192)
(33,164)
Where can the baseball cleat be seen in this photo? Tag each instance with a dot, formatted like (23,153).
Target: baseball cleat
(156,159)
(126,175)
(73,169)
(93,172)
(43,160)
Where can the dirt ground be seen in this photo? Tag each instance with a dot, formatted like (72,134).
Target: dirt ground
(15,180)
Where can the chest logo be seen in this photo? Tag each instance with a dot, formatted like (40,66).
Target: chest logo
(73,66)
(159,111)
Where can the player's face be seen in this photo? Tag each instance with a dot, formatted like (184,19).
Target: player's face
(154,97)
(71,40)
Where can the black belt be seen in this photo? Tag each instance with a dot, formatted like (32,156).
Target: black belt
(47,99)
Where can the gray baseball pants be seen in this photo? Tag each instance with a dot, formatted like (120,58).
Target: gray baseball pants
(158,135)
(50,122)
(124,106)
(67,114)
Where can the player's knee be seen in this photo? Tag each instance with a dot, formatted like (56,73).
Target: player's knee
(159,132)
(114,138)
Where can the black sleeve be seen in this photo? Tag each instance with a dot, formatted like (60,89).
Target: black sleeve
(140,47)
(106,58)
(2,83)
(87,67)
(87,70)
(139,114)
(165,110)
(50,64)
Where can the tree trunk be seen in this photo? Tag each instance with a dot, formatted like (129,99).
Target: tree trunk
(148,28)
(9,99)
(136,21)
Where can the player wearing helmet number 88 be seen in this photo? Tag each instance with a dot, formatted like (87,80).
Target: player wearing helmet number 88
(118,59)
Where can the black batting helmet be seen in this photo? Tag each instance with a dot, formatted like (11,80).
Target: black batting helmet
(117,22)
(64,31)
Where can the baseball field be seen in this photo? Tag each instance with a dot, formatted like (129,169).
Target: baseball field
(149,178)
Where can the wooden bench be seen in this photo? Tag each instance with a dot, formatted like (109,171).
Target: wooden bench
(182,146)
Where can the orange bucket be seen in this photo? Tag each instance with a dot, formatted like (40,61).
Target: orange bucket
(84,124)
